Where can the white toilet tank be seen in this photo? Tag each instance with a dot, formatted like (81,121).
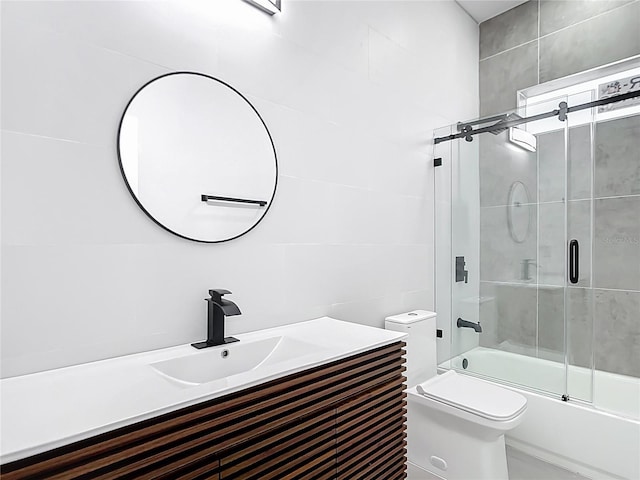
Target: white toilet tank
(422,360)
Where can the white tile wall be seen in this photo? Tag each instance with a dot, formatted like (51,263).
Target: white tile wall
(351,92)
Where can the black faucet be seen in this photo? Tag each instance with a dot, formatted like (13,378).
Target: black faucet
(217,309)
(466,323)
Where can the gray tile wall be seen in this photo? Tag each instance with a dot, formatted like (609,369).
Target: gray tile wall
(538,41)
(603,39)
(542,40)
(509,320)
(618,157)
(617,331)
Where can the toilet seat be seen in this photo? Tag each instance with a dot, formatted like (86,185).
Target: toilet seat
(474,396)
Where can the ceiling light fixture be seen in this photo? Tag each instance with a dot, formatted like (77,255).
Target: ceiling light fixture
(268,6)
(523,139)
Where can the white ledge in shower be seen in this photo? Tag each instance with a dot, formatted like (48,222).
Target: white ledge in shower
(45,410)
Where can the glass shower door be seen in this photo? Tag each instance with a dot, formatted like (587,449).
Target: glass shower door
(579,291)
(508,259)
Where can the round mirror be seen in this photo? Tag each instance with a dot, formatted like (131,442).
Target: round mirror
(197,157)
(518,212)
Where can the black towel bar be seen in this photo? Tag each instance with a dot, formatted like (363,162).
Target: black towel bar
(205,198)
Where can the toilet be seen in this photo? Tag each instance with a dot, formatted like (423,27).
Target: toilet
(455,423)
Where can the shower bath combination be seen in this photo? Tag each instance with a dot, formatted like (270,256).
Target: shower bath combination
(546,282)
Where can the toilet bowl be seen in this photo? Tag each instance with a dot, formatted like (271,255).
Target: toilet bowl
(455,423)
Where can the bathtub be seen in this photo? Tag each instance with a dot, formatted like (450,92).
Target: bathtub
(599,440)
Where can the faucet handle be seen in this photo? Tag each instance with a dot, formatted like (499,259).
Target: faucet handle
(217,293)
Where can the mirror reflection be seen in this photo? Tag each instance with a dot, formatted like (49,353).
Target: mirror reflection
(518,212)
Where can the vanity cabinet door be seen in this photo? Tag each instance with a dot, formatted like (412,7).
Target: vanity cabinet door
(370,434)
(302,449)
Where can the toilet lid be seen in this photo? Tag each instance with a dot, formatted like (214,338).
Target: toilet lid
(475,396)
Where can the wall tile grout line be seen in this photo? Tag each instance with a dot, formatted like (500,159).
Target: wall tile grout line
(508,50)
(538,66)
(552,285)
(560,202)
(57,139)
(589,19)
(555,31)
(633,195)
(538,270)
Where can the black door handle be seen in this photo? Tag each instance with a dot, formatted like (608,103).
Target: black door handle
(574,261)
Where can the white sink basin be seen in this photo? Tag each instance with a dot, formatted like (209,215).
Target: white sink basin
(40,411)
(223,361)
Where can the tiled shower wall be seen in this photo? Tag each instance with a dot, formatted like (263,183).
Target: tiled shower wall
(533,43)
(542,40)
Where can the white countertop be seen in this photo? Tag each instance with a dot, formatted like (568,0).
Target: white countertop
(45,410)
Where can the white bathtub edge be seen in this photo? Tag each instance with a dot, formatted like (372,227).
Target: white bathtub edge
(587,441)
(561,461)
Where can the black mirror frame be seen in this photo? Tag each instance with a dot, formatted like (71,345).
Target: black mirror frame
(156,221)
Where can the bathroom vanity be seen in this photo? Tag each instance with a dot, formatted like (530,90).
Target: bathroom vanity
(335,411)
